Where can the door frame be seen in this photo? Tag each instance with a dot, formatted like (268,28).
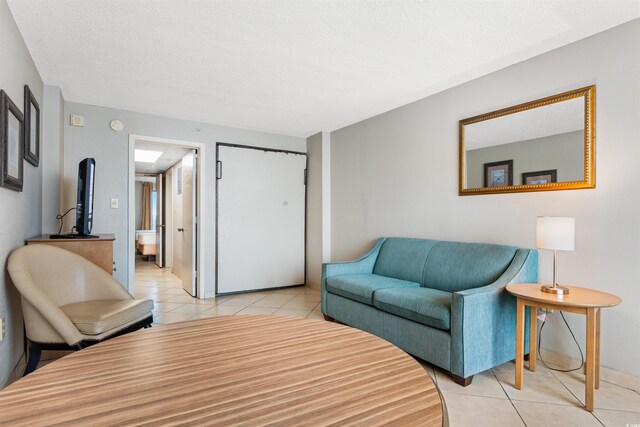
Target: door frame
(276,150)
(201,211)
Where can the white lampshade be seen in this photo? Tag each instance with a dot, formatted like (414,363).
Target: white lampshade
(555,233)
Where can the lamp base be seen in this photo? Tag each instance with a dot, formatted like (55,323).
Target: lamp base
(557,290)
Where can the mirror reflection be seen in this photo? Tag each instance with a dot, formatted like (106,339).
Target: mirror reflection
(544,144)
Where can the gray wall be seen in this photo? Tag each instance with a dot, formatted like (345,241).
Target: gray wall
(21,213)
(564,152)
(110,149)
(51,158)
(396,174)
(314,210)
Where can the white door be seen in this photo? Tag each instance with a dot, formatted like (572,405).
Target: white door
(159,223)
(187,232)
(168,219)
(261,214)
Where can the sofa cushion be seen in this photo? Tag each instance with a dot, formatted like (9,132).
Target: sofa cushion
(403,258)
(454,266)
(99,316)
(430,307)
(361,287)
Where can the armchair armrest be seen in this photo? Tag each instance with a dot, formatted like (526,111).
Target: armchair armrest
(45,307)
(362,265)
(483,320)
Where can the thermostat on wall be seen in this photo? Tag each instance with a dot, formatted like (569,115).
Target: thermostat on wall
(116,125)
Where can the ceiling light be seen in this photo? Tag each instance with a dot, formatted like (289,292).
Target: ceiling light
(147,156)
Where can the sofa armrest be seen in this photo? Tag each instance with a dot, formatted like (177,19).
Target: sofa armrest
(362,265)
(483,320)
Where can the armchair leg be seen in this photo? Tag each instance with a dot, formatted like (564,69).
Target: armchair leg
(464,382)
(32,362)
(329,318)
(526,357)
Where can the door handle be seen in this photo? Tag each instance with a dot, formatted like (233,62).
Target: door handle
(181,229)
(160,226)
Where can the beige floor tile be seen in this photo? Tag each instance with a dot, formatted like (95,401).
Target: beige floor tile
(171,317)
(315,315)
(429,368)
(164,307)
(192,309)
(475,411)
(617,418)
(540,386)
(295,290)
(300,305)
(186,299)
(608,396)
(292,312)
(484,384)
(546,414)
(239,302)
(256,310)
(173,291)
(274,300)
(312,296)
(221,310)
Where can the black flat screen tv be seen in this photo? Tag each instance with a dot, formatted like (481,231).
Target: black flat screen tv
(84,206)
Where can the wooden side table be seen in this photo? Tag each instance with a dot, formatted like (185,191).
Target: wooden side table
(580,301)
(99,251)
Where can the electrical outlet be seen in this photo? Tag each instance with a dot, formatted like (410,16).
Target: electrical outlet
(114,203)
(1,328)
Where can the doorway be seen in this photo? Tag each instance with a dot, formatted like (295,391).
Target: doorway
(165,202)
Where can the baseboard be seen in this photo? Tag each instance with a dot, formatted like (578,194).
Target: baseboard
(606,374)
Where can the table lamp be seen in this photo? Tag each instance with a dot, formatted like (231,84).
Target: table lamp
(556,234)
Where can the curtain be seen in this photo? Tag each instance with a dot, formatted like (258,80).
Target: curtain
(147,188)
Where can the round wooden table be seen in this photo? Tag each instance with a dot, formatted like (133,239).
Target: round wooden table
(235,370)
(580,301)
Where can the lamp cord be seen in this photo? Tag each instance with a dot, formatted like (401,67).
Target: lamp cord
(574,339)
(61,218)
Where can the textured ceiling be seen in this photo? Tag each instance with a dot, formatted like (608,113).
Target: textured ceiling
(286,66)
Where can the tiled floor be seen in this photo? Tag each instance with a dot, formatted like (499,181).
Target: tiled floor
(173,304)
(548,398)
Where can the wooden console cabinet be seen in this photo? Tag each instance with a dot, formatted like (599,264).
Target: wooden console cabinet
(99,251)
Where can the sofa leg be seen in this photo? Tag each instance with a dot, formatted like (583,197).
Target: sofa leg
(462,381)
(32,362)
(526,357)
(329,318)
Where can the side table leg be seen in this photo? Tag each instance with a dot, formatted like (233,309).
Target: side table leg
(519,343)
(597,381)
(591,353)
(533,337)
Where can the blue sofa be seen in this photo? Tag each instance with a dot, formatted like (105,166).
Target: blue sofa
(443,302)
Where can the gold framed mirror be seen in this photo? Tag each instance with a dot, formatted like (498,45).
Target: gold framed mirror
(543,145)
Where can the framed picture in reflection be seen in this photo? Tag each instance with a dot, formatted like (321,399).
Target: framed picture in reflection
(498,174)
(540,177)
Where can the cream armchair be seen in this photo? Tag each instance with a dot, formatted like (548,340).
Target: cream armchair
(69,302)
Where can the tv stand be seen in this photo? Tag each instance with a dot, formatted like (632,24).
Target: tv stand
(97,249)
(73,236)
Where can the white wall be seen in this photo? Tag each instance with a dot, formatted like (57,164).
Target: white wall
(110,149)
(396,174)
(20,212)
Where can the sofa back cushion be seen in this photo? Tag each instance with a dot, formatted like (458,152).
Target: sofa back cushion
(446,266)
(403,258)
(454,266)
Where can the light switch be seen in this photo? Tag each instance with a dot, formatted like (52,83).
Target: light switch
(114,203)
